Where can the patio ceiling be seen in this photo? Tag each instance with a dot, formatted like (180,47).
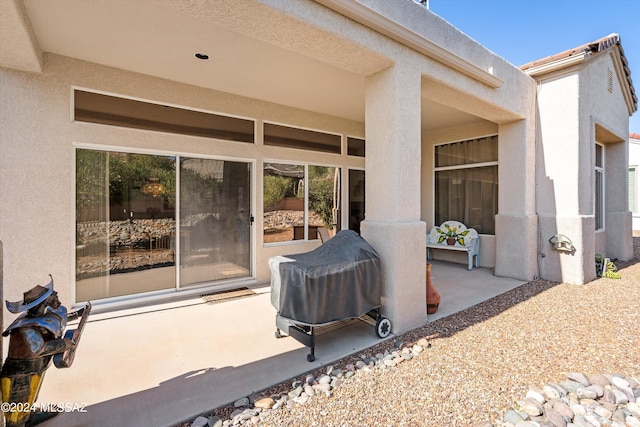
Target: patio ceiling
(161,38)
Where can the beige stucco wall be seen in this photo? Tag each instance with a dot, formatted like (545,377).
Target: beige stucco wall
(609,124)
(37,168)
(558,171)
(572,105)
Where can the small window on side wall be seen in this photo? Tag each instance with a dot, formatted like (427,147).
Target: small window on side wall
(599,190)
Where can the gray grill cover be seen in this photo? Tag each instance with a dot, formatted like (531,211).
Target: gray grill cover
(338,280)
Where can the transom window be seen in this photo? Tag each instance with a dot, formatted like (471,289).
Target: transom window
(118,111)
(304,139)
(355,146)
(466,183)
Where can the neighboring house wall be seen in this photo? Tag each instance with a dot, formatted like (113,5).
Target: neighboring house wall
(634,179)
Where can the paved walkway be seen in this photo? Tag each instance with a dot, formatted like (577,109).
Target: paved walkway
(161,365)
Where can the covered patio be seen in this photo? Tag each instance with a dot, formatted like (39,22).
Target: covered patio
(164,364)
(356,70)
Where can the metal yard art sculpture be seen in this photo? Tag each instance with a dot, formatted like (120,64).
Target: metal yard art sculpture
(36,338)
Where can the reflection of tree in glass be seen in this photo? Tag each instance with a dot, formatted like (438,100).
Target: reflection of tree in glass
(277,188)
(119,173)
(127,171)
(90,182)
(201,192)
(321,192)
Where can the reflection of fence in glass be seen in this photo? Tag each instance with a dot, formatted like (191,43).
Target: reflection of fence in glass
(283,197)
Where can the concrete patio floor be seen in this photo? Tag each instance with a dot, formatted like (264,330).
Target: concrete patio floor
(164,364)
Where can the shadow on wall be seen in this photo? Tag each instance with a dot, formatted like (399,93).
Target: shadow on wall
(550,261)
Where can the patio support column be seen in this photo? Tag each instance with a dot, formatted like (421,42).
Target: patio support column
(517,221)
(392,225)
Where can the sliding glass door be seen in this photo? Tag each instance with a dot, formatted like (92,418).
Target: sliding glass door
(215,220)
(128,240)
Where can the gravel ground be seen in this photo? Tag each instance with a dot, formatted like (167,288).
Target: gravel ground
(482,360)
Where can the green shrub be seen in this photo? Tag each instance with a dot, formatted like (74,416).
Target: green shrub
(276,188)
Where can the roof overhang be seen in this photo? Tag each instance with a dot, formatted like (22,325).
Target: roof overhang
(628,91)
(382,24)
(563,61)
(19,48)
(317,70)
(560,64)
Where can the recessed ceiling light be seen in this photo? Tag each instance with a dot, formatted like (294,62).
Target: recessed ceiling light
(202,56)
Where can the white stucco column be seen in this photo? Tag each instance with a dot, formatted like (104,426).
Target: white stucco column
(618,218)
(517,221)
(392,224)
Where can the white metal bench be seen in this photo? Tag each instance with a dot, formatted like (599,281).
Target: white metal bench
(455,236)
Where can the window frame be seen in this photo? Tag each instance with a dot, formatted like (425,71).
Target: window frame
(599,190)
(303,130)
(179,107)
(348,201)
(465,166)
(352,150)
(306,166)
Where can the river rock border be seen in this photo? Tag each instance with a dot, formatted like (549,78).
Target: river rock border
(579,401)
(585,401)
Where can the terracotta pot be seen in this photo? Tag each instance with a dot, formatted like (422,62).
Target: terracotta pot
(451,241)
(433,297)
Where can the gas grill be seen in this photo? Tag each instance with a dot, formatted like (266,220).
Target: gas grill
(340,280)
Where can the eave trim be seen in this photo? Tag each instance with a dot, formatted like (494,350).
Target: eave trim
(556,65)
(380,23)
